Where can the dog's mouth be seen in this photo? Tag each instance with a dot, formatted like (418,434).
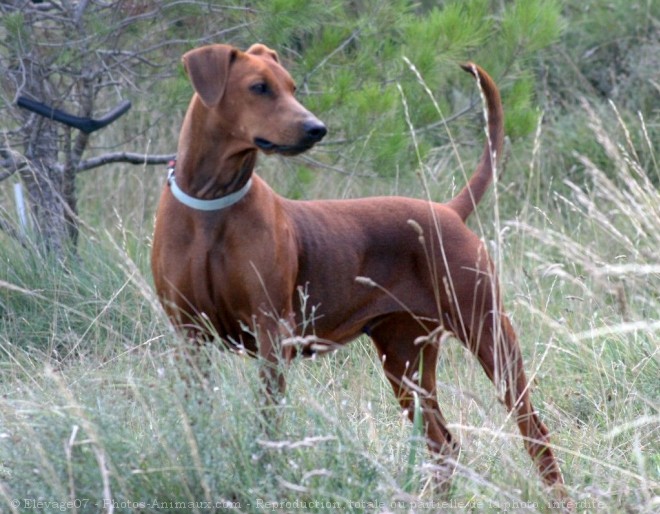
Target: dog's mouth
(270,147)
(312,132)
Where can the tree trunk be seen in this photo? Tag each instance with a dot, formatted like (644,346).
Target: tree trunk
(43,181)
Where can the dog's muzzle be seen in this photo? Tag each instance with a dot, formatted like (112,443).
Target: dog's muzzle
(313,132)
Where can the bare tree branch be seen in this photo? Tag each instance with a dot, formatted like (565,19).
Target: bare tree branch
(7,173)
(127,157)
(11,161)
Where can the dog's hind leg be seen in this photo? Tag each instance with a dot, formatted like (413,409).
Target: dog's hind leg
(495,344)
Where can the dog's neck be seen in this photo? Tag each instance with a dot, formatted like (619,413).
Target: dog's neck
(211,163)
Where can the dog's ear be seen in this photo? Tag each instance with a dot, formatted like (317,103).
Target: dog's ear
(208,69)
(263,50)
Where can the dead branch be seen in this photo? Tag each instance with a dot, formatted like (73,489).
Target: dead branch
(127,157)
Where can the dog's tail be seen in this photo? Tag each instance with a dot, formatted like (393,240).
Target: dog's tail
(468,198)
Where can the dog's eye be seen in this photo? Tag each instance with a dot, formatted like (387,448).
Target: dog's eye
(260,88)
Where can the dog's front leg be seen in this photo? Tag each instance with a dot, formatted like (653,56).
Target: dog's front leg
(273,356)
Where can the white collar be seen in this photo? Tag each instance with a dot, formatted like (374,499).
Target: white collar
(206,205)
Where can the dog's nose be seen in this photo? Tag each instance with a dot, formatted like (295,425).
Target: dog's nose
(314,130)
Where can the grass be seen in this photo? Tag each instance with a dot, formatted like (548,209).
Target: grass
(101,411)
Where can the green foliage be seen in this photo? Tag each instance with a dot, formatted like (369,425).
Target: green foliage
(448,33)
(15,26)
(521,118)
(530,26)
(609,54)
(288,23)
(613,52)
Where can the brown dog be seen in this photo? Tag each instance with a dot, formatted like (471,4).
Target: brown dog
(230,256)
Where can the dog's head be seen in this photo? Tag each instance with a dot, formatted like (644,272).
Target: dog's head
(251,95)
